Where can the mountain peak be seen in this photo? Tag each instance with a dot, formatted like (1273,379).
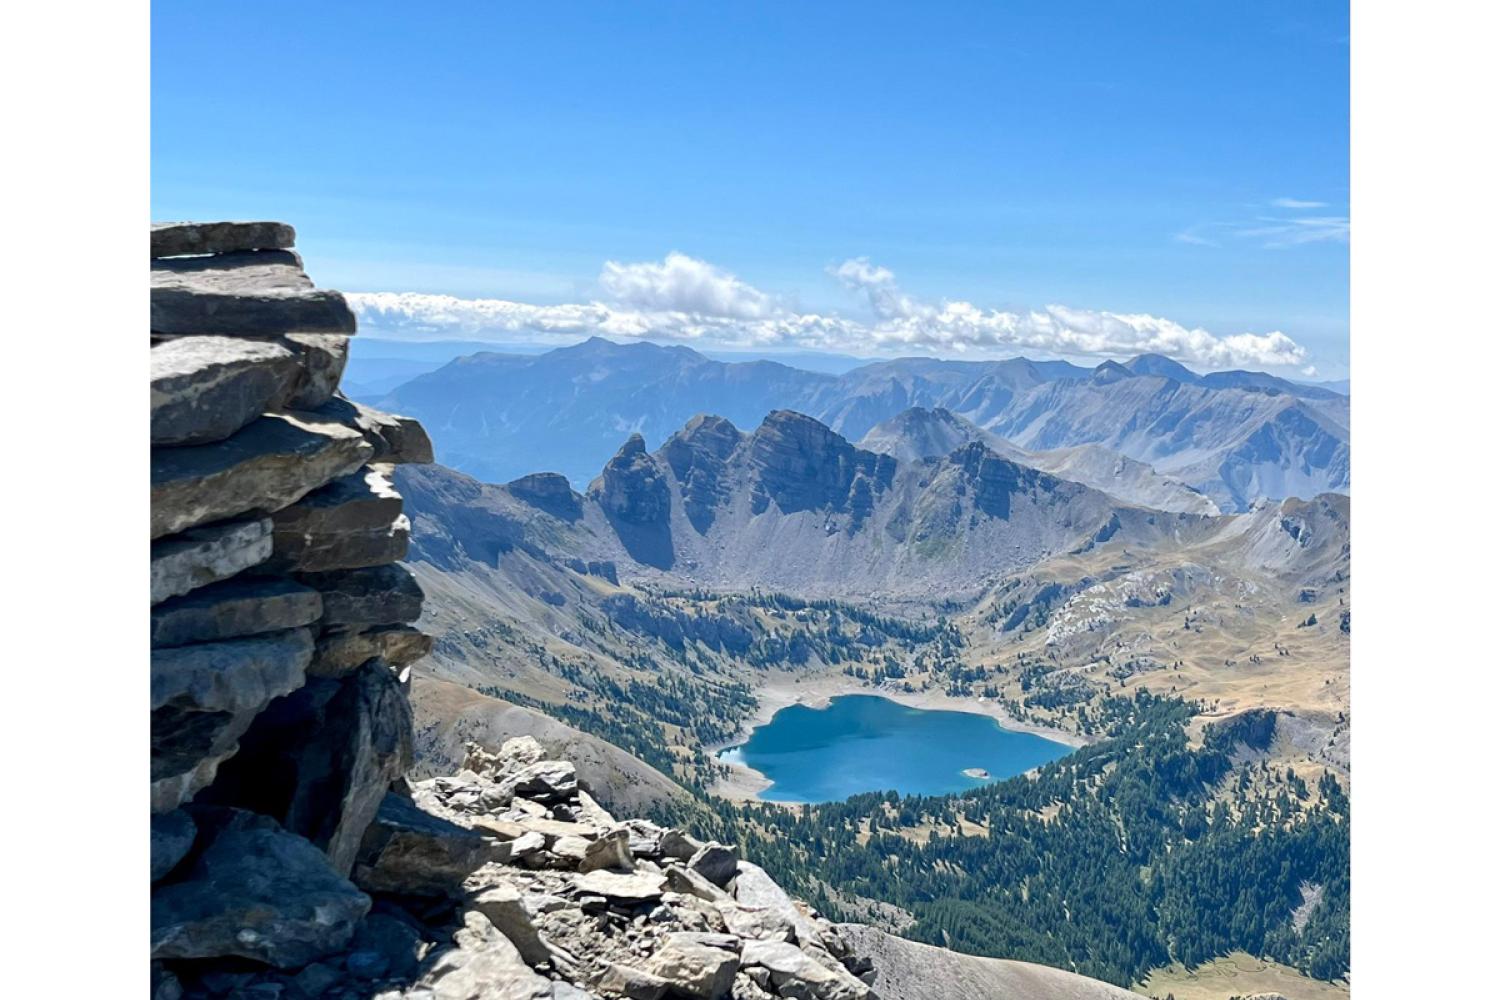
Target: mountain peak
(1161,365)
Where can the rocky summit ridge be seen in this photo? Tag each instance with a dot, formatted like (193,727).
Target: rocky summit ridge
(290,855)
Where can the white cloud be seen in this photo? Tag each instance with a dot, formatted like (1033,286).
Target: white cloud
(1298,203)
(1276,234)
(683,284)
(687,300)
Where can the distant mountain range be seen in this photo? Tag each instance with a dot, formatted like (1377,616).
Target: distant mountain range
(1232,436)
(794,506)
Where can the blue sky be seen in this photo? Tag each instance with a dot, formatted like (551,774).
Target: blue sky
(1184,162)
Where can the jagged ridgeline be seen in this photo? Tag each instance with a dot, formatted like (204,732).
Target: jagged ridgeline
(290,856)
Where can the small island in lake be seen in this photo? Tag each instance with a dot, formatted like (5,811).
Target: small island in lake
(977,773)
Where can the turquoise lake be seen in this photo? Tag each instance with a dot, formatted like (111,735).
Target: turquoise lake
(863,743)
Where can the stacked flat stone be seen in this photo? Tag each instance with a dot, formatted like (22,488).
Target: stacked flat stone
(281,620)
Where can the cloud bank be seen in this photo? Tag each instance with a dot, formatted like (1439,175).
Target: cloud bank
(686,300)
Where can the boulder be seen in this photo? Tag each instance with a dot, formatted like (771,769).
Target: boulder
(321,358)
(797,974)
(714,862)
(754,889)
(481,965)
(204,697)
(690,883)
(640,887)
(393,939)
(628,981)
(341,650)
(396,439)
(173,239)
(201,556)
(239,607)
(353,522)
(254,891)
(272,463)
(171,838)
(696,970)
(678,845)
(205,388)
(756,923)
(411,852)
(612,850)
(320,759)
(375,595)
(503,905)
(546,781)
(255,293)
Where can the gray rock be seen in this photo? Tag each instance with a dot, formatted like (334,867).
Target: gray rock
(375,595)
(503,905)
(233,608)
(714,862)
(411,852)
(690,883)
(254,293)
(695,970)
(334,746)
(270,464)
(164,985)
(254,891)
(612,850)
(678,845)
(172,239)
(201,556)
(797,974)
(172,837)
(321,358)
(640,887)
(353,522)
(204,697)
(395,939)
(205,388)
(567,991)
(757,923)
(482,965)
(755,889)
(342,650)
(396,439)
(546,781)
(317,979)
(628,981)
(366,964)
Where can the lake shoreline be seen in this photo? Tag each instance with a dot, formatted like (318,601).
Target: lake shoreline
(780,690)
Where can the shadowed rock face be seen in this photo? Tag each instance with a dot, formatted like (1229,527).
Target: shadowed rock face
(636,497)
(697,455)
(549,491)
(799,464)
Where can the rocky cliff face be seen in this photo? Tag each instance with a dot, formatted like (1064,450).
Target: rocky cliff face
(290,855)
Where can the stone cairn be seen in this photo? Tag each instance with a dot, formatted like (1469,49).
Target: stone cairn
(290,856)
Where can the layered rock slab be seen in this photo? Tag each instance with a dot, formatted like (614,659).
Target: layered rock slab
(353,522)
(201,556)
(204,697)
(173,239)
(257,892)
(271,463)
(255,293)
(205,388)
(234,608)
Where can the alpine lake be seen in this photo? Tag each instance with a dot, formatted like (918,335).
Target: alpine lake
(865,743)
